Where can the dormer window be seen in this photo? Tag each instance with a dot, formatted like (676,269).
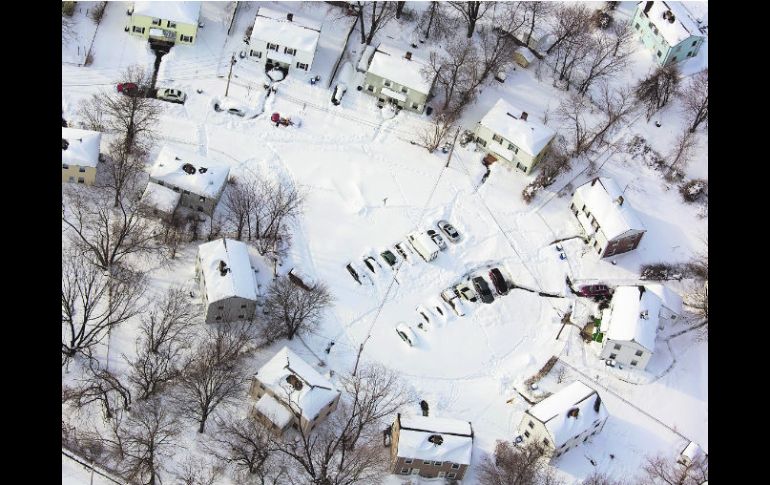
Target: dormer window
(155,21)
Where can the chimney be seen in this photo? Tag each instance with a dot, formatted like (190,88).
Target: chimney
(524,116)
(619,200)
(408,56)
(648,6)
(289,17)
(573,413)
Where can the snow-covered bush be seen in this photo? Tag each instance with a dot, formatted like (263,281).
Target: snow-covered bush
(693,190)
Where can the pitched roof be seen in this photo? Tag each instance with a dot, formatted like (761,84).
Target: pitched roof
(273,26)
(390,63)
(207,180)
(456,439)
(601,200)
(273,410)
(182,12)
(505,120)
(160,197)
(668,298)
(681,29)
(238,279)
(83,147)
(315,391)
(553,411)
(634,316)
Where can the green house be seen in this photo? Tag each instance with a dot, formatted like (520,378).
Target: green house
(398,78)
(170,22)
(668,30)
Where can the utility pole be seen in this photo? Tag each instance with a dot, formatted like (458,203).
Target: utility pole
(452,150)
(232,63)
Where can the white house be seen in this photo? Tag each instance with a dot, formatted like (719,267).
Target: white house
(284,40)
(507,132)
(290,392)
(398,77)
(564,420)
(199,181)
(79,155)
(227,281)
(631,322)
(611,224)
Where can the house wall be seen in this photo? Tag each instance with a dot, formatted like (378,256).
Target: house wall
(192,200)
(140,25)
(76,173)
(522,160)
(538,432)
(579,439)
(427,469)
(373,85)
(626,354)
(520,59)
(627,242)
(232,309)
(605,248)
(259,52)
(258,388)
(664,53)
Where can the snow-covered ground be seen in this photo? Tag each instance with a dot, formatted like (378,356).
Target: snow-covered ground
(367,186)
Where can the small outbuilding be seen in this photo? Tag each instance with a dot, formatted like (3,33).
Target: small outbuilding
(524,57)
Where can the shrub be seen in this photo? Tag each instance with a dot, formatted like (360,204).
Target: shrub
(693,190)
(662,271)
(68,8)
(89,59)
(97,13)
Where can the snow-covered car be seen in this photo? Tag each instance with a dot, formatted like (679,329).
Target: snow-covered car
(439,310)
(406,334)
(452,298)
(482,288)
(171,95)
(405,250)
(372,265)
(389,257)
(236,108)
(436,237)
(467,292)
(449,230)
(424,313)
(359,275)
(501,286)
(353,273)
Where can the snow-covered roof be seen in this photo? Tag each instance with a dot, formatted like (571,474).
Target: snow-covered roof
(681,29)
(554,411)
(505,120)
(238,278)
(160,197)
(180,12)
(456,444)
(315,391)
(601,200)
(634,316)
(668,298)
(273,410)
(169,165)
(273,26)
(366,57)
(390,63)
(392,94)
(83,148)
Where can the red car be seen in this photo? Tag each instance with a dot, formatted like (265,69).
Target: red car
(129,89)
(594,290)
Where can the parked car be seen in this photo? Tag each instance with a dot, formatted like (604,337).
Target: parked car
(452,298)
(438,309)
(501,286)
(129,89)
(449,230)
(436,237)
(372,264)
(482,288)
(406,334)
(353,273)
(389,257)
(171,95)
(594,290)
(236,108)
(466,291)
(405,250)
(424,313)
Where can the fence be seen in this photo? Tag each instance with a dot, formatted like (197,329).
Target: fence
(95,469)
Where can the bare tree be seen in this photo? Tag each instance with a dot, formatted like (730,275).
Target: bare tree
(150,371)
(292,310)
(601,61)
(122,170)
(496,45)
(377,18)
(568,56)
(616,105)
(534,13)
(399,9)
(275,205)
(106,235)
(143,440)
(662,470)
(695,99)
(681,153)
(104,387)
(67,29)
(572,111)
(515,466)
(455,72)
(93,303)
(213,374)
(471,12)
(554,162)
(435,20)
(623,37)
(572,20)
(245,444)
(597,478)
(241,201)
(657,89)
(133,118)
(433,135)
(195,472)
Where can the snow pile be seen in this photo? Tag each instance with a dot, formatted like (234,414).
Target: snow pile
(505,120)
(233,279)
(601,200)
(558,415)
(391,63)
(456,443)
(273,27)
(160,197)
(633,316)
(82,147)
(181,12)
(208,179)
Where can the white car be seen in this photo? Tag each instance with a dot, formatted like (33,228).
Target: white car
(452,298)
(172,95)
(406,334)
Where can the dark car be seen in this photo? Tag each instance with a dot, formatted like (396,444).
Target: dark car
(594,290)
(500,284)
(389,257)
(353,273)
(482,288)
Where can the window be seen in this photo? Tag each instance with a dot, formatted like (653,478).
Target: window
(186,38)
(289,50)
(160,183)
(155,21)
(65,166)
(585,439)
(302,66)
(243,306)
(617,347)
(613,356)
(655,30)
(481,142)
(584,208)
(426,462)
(370,88)
(600,251)
(256,54)
(81,180)
(82,169)
(241,316)
(546,442)
(526,434)
(513,147)
(404,90)
(221,307)
(650,25)
(531,425)
(171,25)
(386,83)
(637,26)
(557,455)
(273,47)
(639,353)
(634,362)
(451,475)
(659,54)
(218,318)
(497,138)
(693,43)
(438,463)
(415,106)
(138,30)
(455,466)
(689,54)
(405,471)
(408,461)
(203,199)
(186,192)
(673,59)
